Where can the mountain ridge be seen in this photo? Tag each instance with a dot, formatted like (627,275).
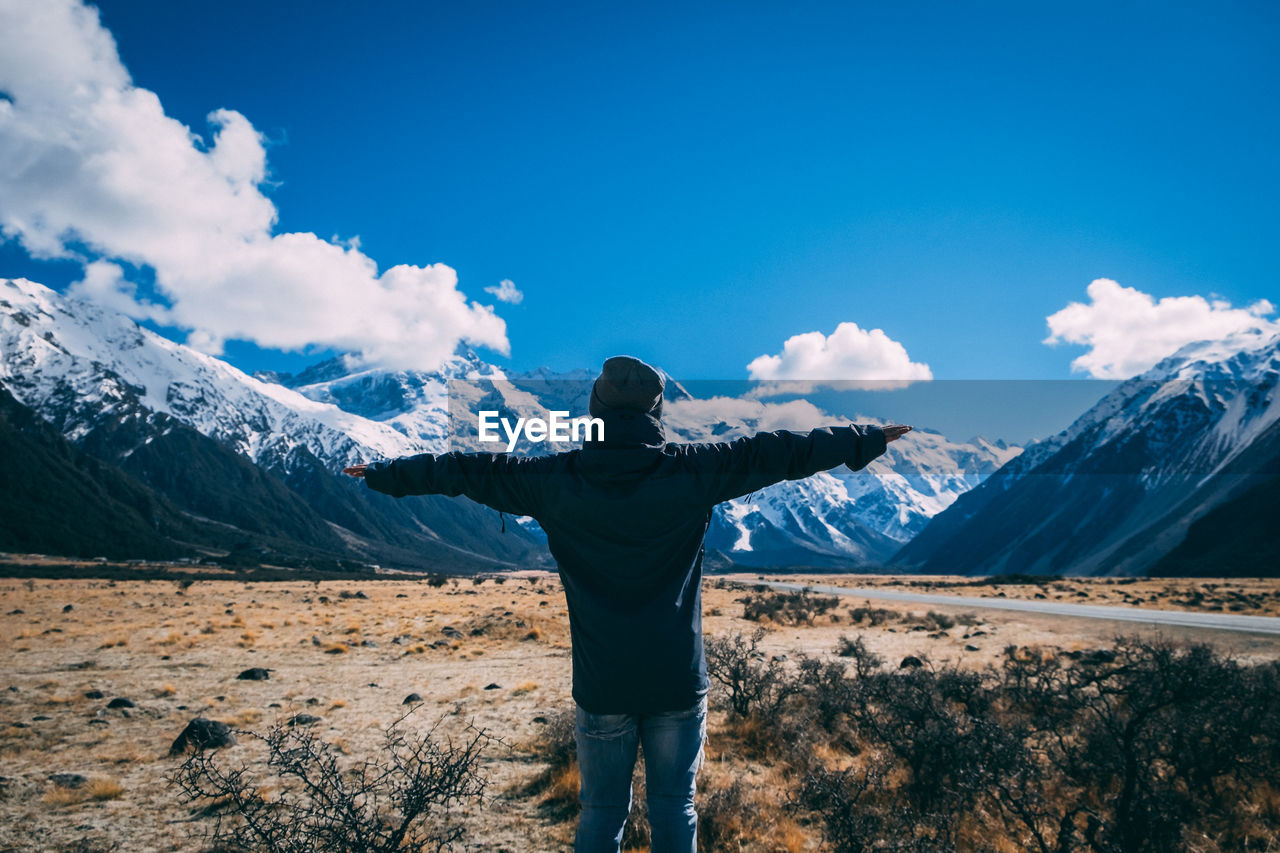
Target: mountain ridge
(1120,487)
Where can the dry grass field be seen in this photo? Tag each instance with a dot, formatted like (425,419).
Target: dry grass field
(493,653)
(1246,596)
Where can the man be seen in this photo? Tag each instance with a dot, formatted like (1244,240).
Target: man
(625,519)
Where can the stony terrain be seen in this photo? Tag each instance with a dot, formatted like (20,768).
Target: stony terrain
(492,652)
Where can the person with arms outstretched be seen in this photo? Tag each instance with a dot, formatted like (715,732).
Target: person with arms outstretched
(625,518)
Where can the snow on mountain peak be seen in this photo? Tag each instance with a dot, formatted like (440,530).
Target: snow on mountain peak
(83,359)
(76,363)
(1242,355)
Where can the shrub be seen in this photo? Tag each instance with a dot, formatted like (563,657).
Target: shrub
(940,620)
(874,615)
(1178,739)
(723,815)
(787,608)
(1143,746)
(398,800)
(864,660)
(853,814)
(750,683)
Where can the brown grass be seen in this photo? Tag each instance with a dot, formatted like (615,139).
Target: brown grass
(564,786)
(104,789)
(243,718)
(60,796)
(204,644)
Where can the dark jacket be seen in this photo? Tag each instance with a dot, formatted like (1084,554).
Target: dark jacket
(625,520)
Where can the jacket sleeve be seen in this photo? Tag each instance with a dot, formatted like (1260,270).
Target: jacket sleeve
(735,468)
(506,483)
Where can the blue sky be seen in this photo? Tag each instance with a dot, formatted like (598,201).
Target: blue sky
(696,186)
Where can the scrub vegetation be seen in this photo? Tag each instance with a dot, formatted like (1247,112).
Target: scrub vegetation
(858,724)
(1139,745)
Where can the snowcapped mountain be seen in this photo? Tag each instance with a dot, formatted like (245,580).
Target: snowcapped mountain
(76,363)
(88,371)
(834,518)
(838,515)
(1118,489)
(164,411)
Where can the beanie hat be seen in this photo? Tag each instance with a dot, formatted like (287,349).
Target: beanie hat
(629,384)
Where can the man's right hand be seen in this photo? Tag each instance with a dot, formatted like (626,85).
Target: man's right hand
(893,432)
(355,471)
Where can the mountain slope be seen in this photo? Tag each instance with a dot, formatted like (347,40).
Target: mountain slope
(838,518)
(263,456)
(1238,536)
(1119,488)
(55,498)
(225,446)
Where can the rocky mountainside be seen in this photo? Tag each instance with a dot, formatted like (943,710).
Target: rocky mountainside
(838,518)
(262,454)
(1145,478)
(228,448)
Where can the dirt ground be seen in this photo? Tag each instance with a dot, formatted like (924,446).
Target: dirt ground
(493,653)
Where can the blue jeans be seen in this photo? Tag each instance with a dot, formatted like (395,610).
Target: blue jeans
(607,744)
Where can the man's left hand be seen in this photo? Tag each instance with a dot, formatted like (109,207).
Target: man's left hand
(895,431)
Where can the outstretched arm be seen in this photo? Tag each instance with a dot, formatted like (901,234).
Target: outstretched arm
(506,483)
(731,469)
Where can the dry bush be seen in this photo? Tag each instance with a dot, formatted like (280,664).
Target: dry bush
(1144,746)
(749,683)
(939,621)
(864,659)
(304,798)
(874,616)
(728,817)
(787,608)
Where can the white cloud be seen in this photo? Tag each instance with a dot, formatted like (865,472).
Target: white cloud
(692,415)
(105,284)
(849,357)
(91,160)
(506,291)
(1128,331)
